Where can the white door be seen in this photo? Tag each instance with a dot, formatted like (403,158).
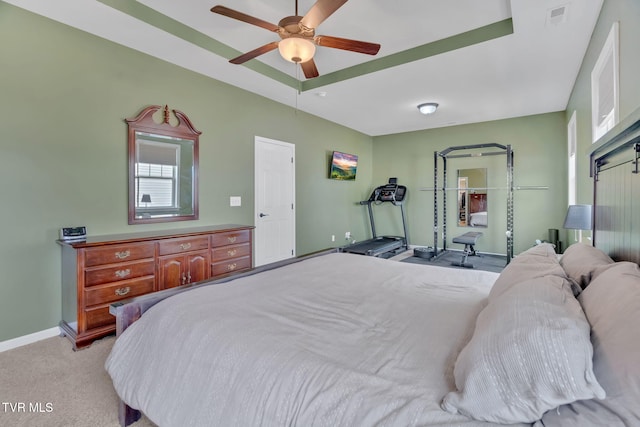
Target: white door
(274,201)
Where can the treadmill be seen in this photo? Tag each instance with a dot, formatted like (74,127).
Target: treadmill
(383,246)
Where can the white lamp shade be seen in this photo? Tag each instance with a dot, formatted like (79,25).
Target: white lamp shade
(296,49)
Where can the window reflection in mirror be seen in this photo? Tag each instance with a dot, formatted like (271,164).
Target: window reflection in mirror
(472,197)
(163,176)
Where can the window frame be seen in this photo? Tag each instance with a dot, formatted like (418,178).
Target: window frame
(609,52)
(572,147)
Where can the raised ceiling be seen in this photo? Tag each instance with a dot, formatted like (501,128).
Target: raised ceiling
(480,60)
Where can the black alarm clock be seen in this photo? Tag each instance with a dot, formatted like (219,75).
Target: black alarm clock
(73,233)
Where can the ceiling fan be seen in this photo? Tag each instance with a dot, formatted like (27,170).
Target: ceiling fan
(298,36)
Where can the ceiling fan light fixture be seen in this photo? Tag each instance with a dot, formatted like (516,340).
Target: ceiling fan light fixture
(296,49)
(428,107)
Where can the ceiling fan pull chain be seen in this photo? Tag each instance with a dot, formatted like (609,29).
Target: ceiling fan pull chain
(298,89)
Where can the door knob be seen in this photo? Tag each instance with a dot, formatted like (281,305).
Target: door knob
(263,214)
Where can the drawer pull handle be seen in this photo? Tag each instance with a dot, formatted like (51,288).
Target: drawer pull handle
(232,252)
(123,254)
(232,239)
(185,246)
(123,273)
(123,291)
(231,267)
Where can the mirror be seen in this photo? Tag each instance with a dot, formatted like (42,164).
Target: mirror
(163,167)
(472,198)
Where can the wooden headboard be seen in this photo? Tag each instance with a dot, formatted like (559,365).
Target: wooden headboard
(616,190)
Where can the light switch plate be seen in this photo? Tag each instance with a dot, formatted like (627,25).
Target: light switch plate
(235,201)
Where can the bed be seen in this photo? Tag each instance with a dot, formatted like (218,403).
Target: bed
(478,218)
(338,339)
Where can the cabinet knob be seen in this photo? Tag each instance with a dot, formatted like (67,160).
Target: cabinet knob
(185,246)
(232,252)
(231,267)
(232,239)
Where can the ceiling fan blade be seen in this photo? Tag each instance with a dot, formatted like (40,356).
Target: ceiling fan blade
(309,69)
(347,44)
(256,52)
(222,10)
(320,11)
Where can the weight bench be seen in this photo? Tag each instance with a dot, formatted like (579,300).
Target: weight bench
(468,240)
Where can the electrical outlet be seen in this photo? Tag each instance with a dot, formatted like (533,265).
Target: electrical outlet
(333,237)
(347,235)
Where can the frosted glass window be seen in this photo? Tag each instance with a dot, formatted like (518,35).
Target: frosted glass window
(572,143)
(604,86)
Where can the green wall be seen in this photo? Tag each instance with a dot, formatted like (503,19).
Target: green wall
(539,147)
(627,13)
(539,143)
(63,154)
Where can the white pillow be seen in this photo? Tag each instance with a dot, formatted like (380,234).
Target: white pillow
(611,303)
(530,352)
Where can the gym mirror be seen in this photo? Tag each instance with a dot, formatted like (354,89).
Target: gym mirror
(472,197)
(163,167)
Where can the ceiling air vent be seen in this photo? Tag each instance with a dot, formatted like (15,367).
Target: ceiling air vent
(557,15)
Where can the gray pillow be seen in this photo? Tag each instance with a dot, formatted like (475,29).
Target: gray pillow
(530,352)
(612,305)
(580,260)
(538,261)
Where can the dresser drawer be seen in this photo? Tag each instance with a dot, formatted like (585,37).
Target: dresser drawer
(230,266)
(117,291)
(230,238)
(98,316)
(116,273)
(232,251)
(184,244)
(118,253)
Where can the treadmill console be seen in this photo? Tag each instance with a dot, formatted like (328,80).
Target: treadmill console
(391,192)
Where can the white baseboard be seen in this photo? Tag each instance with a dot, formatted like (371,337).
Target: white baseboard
(29,339)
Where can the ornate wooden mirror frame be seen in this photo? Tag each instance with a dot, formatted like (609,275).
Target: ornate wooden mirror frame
(163,167)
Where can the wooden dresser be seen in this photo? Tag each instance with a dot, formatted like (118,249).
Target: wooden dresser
(103,269)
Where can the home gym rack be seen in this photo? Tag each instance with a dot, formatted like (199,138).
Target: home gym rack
(455,152)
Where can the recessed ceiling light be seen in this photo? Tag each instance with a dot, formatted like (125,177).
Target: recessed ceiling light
(321,94)
(428,107)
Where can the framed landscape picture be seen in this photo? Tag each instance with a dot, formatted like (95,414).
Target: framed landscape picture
(343,166)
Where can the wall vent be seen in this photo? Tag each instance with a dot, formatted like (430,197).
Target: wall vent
(557,15)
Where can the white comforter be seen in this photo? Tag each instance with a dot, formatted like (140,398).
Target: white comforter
(478,218)
(336,340)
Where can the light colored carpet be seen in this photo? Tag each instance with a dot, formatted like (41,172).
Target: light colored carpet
(48,384)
